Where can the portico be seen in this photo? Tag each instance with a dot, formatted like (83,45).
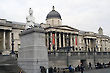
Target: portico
(57,38)
(90,43)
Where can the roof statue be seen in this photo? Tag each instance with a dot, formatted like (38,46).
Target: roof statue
(100,31)
(53,8)
(30,19)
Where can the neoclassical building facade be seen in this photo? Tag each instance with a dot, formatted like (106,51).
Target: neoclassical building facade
(83,46)
(9,31)
(60,36)
(57,36)
(70,46)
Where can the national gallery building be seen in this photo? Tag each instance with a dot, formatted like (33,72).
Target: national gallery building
(60,36)
(9,32)
(66,45)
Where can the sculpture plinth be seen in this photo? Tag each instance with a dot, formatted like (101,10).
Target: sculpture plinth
(33,52)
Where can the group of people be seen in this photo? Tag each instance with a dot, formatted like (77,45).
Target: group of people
(42,69)
(78,68)
(53,70)
(89,66)
(72,69)
(102,65)
(50,70)
(62,70)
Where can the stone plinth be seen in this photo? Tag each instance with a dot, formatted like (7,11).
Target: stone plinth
(33,52)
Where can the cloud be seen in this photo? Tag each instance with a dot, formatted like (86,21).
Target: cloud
(86,15)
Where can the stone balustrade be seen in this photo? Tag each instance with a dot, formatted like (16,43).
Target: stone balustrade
(79,55)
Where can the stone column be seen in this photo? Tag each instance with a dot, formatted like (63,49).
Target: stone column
(55,41)
(67,40)
(74,42)
(63,40)
(51,48)
(86,44)
(8,40)
(71,42)
(4,46)
(90,44)
(59,39)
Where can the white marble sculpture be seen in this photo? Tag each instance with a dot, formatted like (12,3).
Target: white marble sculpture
(30,19)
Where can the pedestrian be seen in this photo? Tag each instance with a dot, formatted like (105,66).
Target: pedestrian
(70,68)
(44,69)
(50,70)
(104,66)
(81,68)
(55,69)
(78,68)
(109,64)
(90,66)
(63,70)
(20,71)
(41,69)
(58,70)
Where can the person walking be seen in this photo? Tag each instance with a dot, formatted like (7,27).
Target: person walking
(55,69)
(81,68)
(58,70)
(50,70)
(70,68)
(90,65)
(20,71)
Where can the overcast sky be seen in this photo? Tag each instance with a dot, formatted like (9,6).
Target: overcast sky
(87,15)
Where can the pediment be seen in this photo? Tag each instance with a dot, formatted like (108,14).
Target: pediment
(63,27)
(67,27)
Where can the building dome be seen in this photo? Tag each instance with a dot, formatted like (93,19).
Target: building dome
(53,14)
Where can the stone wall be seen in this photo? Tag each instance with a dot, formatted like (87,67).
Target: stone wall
(59,59)
(54,22)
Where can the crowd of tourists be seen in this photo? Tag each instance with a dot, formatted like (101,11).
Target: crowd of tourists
(71,69)
(102,65)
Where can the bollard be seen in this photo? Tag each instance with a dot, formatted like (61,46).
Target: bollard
(47,70)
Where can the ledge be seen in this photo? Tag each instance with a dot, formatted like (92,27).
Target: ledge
(31,30)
